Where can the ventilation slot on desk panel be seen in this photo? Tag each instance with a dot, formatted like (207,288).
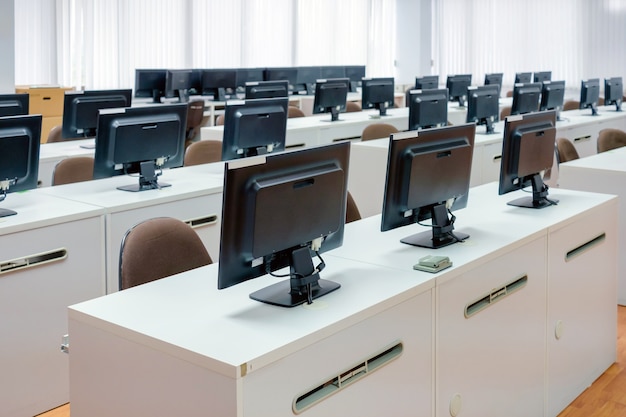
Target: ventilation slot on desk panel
(495,295)
(345,378)
(32,260)
(582,248)
(202,221)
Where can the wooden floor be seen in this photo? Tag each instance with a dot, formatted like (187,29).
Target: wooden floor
(605,398)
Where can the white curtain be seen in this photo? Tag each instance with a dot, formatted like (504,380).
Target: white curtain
(98,44)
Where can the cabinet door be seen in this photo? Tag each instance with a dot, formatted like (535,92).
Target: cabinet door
(582,304)
(490,337)
(396,383)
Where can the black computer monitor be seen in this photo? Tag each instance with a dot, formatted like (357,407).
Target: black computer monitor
(14,104)
(552,96)
(614,92)
(178,84)
(483,106)
(428,175)
(355,73)
(333,71)
(80,110)
(523,77)
(527,151)
(377,93)
(19,155)
(590,94)
(283,73)
(494,78)
(266,89)
(140,140)
(196,82)
(305,82)
(427,82)
(279,211)
(457,87)
(541,76)
(150,83)
(330,96)
(254,127)
(219,83)
(526,98)
(247,75)
(428,108)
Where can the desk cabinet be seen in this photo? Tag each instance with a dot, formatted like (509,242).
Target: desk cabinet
(491,337)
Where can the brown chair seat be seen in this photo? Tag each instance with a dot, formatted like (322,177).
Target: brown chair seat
(203,152)
(566,151)
(73,169)
(610,139)
(293,111)
(377,131)
(352,211)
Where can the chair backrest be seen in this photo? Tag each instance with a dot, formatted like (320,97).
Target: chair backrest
(55,134)
(203,152)
(571,105)
(352,106)
(73,169)
(219,120)
(293,111)
(611,139)
(195,114)
(352,211)
(377,131)
(504,112)
(157,248)
(566,151)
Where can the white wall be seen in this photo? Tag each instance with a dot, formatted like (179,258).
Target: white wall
(413,40)
(7,46)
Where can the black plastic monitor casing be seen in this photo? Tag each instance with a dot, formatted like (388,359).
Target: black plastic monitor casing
(128,137)
(14,104)
(483,107)
(333,71)
(330,96)
(428,174)
(150,83)
(19,155)
(523,77)
(355,73)
(614,92)
(219,83)
(427,82)
(494,78)
(254,127)
(178,83)
(273,208)
(552,96)
(527,151)
(305,81)
(526,98)
(266,89)
(590,94)
(427,108)
(246,75)
(378,93)
(541,76)
(80,110)
(457,87)
(283,73)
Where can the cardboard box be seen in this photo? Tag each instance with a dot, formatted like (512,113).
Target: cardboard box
(44,100)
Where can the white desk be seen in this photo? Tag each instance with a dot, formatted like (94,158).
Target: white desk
(194,197)
(606,173)
(191,349)
(51,154)
(34,300)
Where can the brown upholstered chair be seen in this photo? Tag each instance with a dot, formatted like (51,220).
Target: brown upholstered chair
(195,115)
(571,105)
(352,211)
(203,152)
(377,131)
(611,139)
(506,111)
(55,134)
(73,169)
(352,106)
(293,111)
(509,93)
(219,120)
(157,248)
(566,151)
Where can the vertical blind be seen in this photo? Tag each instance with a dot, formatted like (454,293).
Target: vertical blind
(99,43)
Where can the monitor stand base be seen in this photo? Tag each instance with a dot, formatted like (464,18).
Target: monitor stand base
(426,239)
(7,212)
(280,294)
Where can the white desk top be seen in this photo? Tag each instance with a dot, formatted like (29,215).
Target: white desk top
(613,160)
(226,331)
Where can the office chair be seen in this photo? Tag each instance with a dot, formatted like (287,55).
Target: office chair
(352,211)
(611,139)
(506,111)
(157,248)
(55,134)
(571,105)
(203,152)
(73,169)
(352,106)
(377,131)
(565,150)
(195,116)
(219,120)
(293,111)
